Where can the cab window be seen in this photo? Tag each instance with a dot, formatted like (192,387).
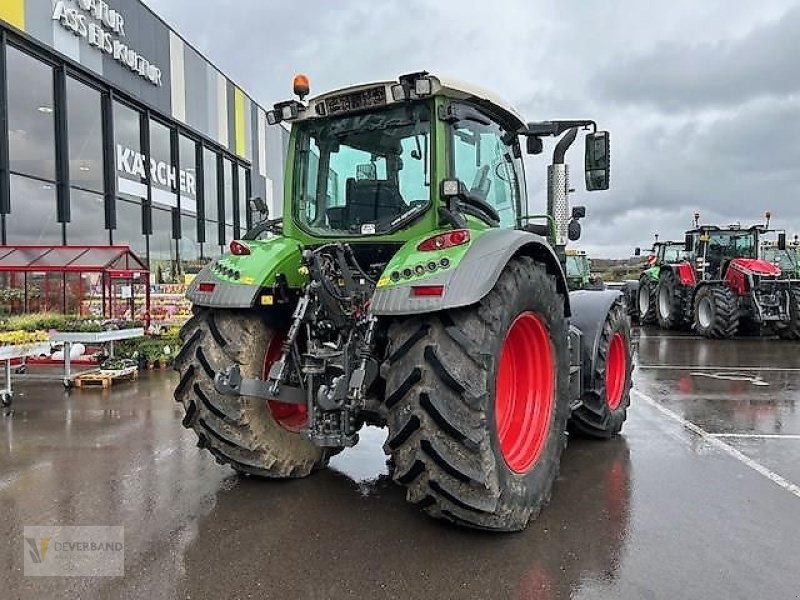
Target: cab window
(486,164)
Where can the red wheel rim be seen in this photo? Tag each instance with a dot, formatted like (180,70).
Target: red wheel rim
(524,392)
(616,371)
(289,416)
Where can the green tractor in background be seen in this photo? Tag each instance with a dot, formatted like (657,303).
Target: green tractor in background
(662,252)
(788,259)
(406,287)
(579,272)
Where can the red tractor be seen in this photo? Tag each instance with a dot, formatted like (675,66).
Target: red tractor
(727,287)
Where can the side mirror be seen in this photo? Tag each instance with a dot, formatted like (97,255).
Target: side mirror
(637,251)
(781,241)
(598,160)
(688,243)
(578,212)
(574,230)
(534,145)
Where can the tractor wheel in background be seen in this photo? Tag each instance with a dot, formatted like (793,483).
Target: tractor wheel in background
(672,306)
(603,410)
(250,435)
(478,400)
(646,300)
(716,312)
(792,330)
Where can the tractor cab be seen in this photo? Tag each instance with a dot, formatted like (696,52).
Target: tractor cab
(579,269)
(716,247)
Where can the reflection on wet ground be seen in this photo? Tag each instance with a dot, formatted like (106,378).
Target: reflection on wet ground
(657,513)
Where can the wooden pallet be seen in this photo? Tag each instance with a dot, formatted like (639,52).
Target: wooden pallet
(107,379)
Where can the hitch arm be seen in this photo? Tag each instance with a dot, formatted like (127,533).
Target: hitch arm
(231,383)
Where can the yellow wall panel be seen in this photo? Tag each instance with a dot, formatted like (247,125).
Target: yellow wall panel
(13,12)
(241,141)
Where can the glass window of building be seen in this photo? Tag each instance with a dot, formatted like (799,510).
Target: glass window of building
(163,175)
(187,174)
(85,132)
(131,163)
(85,135)
(86,219)
(162,247)
(32,219)
(31,129)
(31,141)
(210,200)
(129,227)
(244,211)
(228,172)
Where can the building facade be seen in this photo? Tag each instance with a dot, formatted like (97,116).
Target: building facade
(114,130)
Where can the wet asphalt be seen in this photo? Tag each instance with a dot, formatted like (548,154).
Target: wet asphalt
(698,499)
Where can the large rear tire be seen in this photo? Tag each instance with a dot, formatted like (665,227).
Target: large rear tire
(646,300)
(239,431)
(673,309)
(792,330)
(716,312)
(604,409)
(478,400)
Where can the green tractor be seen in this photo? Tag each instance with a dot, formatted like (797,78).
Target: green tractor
(788,259)
(662,252)
(405,287)
(578,270)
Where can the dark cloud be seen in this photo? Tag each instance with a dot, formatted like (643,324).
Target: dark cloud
(674,75)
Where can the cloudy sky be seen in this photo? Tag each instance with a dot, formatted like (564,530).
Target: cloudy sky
(702,98)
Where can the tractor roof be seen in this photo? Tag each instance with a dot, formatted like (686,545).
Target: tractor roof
(729,228)
(440,86)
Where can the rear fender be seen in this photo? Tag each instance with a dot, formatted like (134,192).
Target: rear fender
(235,281)
(589,312)
(475,274)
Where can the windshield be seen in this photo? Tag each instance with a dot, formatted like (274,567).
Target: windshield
(738,244)
(363,174)
(674,253)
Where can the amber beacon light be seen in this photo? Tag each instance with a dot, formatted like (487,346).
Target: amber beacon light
(300,85)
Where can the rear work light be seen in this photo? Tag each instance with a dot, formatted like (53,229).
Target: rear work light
(206,287)
(239,249)
(421,291)
(457,237)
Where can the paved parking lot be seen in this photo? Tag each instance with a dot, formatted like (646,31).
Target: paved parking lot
(698,499)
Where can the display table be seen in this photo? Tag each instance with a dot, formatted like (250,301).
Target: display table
(9,353)
(100,337)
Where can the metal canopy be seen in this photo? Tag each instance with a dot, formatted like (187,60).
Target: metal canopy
(84,259)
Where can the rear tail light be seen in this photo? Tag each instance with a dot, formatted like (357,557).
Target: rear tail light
(206,287)
(421,291)
(239,249)
(457,237)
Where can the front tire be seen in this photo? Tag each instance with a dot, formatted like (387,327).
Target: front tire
(716,312)
(792,330)
(478,400)
(673,310)
(646,301)
(604,409)
(239,431)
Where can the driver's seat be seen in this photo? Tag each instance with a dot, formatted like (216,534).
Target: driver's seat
(370,200)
